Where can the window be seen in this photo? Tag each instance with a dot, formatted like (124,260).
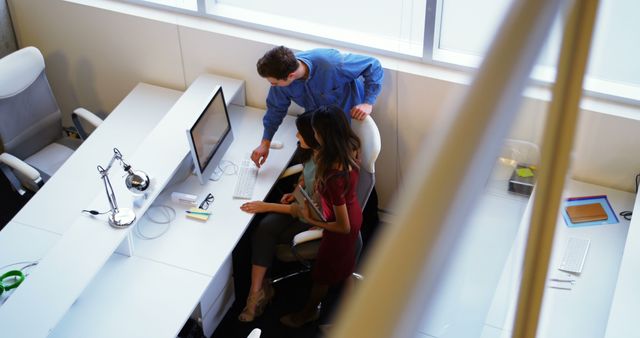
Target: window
(455,32)
(396,26)
(191,5)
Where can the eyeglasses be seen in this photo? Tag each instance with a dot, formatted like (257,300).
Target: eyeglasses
(207,202)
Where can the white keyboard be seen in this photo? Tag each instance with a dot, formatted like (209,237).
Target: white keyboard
(574,254)
(247,175)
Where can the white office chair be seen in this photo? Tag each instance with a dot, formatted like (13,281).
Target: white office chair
(255,333)
(304,246)
(33,142)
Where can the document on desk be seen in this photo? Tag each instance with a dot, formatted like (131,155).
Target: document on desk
(587,211)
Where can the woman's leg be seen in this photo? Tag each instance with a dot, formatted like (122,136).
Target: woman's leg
(264,243)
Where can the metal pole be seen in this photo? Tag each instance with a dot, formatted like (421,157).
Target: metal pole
(556,147)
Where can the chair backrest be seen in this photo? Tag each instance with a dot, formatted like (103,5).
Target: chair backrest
(29,115)
(255,333)
(367,131)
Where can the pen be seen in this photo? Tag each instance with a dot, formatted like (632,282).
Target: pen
(559,287)
(198,212)
(562,280)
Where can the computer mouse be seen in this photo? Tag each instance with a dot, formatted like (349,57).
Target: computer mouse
(276,145)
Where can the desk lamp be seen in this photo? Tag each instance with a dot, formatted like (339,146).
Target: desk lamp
(136,181)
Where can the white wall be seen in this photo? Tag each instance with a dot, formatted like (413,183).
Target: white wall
(95,57)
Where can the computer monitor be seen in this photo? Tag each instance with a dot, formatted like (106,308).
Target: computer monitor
(210,136)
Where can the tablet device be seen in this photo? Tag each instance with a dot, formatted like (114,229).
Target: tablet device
(301,197)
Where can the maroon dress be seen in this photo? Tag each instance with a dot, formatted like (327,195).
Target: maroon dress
(336,255)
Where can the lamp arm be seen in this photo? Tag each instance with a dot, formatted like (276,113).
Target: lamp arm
(111,196)
(116,156)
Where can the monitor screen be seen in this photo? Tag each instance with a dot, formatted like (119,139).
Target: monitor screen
(210,136)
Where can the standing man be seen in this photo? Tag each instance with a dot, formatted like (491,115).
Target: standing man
(312,79)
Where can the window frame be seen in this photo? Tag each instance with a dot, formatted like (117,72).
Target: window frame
(542,75)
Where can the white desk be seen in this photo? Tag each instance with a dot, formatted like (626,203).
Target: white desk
(198,252)
(77,181)
(584,310)
(157,267)
(626,299)
(475,267)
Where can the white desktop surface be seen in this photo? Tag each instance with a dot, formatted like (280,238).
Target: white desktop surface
(88,242)
(133,297)
(125,128)
(23,243)
(187,256)
(474,270)
(584,310)
(193,244)
(626,300)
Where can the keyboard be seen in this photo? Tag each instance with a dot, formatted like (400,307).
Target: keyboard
(247,175)
(574,254)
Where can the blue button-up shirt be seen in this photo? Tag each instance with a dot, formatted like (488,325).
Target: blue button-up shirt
(345,80)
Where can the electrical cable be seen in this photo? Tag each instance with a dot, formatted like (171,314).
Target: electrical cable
(168,213)
(27,265)
(627,213)
(225,169)
(96,212)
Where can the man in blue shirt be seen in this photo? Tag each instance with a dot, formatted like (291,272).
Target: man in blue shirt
(312,79)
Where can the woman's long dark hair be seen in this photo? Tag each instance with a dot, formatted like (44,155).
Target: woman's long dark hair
(339,145)
(303,123)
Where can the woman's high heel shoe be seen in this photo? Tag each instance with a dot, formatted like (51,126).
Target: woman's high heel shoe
(256,302)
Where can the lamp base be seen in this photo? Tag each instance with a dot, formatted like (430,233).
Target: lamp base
(122,218)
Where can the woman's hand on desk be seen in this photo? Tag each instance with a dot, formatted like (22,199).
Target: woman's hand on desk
(255,207)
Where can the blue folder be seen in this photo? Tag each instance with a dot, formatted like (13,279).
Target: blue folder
(604,202)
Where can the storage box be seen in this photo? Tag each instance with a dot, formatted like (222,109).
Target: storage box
(522,180)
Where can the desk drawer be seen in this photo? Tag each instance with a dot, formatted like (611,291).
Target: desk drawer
(218,310)
(215,288)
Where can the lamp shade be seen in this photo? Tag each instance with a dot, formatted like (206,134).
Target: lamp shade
(136,181)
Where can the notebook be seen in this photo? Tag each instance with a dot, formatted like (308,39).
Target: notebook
(586,213)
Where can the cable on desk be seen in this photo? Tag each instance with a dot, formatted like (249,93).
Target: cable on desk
(95,212)
(27,264)
(225,167)
(228,168)
(166,211)
(627,213)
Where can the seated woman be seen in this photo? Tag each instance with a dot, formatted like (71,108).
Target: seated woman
(279,226)
(337,173)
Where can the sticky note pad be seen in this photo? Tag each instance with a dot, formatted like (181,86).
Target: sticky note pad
(524,172)
(199,210)
(198,214)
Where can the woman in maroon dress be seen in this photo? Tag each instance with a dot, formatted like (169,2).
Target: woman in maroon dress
(337,173)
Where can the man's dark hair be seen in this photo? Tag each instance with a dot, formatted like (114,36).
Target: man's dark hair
(277,63)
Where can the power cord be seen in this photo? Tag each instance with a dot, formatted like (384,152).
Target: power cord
(627,213)
(95,212)
(225,167)
(27,264)
(165,211)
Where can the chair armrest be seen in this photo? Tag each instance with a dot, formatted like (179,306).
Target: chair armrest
(19,166)
(86,115)
(9,162)
(294,169)
(307,236)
